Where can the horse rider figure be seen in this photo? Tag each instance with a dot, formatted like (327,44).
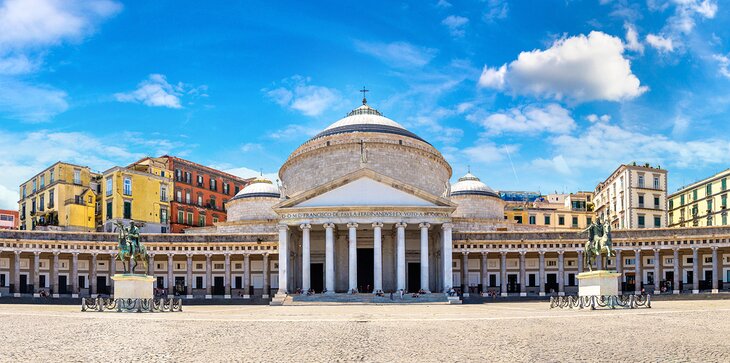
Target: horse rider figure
(133,238)
(599,238)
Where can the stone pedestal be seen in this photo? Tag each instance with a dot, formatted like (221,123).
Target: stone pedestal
(133,286)
(597,283)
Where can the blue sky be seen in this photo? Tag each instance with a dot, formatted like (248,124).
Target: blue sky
(539,95)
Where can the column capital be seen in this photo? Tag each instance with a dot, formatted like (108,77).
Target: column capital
(227,255)
(208,256)
(425,225)
(522,253)
(75,254)
(17,252)
(447,225)
(328,225)
(282,227)
(560,252)
(714,248)
(189,255)
(503,253)
(304,226)
(377,224)
(401,225)
(485,253)
(170,256)
(656,250)
(352,225)
(38,253)
(695,248)
(266,255)
(465,253)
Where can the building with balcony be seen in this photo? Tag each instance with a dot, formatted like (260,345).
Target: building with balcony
(200,193)
(61,197)
(703,203)
(139,192)
(9,219)
(633,196)
(572,211)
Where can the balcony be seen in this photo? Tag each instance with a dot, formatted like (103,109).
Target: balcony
(77,201)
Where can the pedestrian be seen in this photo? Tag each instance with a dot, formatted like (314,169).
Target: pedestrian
(391,294)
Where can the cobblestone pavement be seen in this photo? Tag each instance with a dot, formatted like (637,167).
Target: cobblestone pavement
(529,331)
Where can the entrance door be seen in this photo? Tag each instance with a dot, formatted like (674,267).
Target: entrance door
(82,282)
(219,287)
(41,282)
(512,283)
(551,283)
(101,287)
(62,284)
(707,284)
(316,276)
(414,277)
(365,268)
(630,282)
(691,278)
(179,285)
(23,284)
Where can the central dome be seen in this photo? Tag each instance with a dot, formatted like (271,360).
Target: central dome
(366,119)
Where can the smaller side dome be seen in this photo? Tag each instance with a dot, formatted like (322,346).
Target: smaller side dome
(471,185)
(259,188)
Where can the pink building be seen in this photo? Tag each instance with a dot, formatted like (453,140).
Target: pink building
(8,219)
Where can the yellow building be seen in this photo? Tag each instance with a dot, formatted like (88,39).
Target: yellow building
(554,211)
(139,193)
(703,203)
(61,197)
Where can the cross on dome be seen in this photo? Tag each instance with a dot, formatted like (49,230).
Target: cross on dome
(363,91)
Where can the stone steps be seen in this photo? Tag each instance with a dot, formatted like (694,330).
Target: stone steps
(320,299)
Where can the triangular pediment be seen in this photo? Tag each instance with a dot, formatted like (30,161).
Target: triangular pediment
(365,188)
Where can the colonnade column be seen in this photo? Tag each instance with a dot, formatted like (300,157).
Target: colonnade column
(637,272)
(424,257)
(54,274)
(227,278)
(352,257)
(503,273)
(446,254)
(619,269)
(485,274)
(715,272)
(541,273)
(465,273)
(377,257)
(247,276)
(151,264)
(112,270)
(75,275)
(400,253)
(208,276)
(580,261)
(695,271)
(657,272)
(92,279)
(16,273)
(170,277)
(523,274)
(329,258)
(599,262)
(561,274)
(36,273)
(267,277)
(677,273)
(189,276)
(283,258)
(306,257)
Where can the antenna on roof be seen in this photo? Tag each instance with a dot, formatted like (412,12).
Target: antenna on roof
(363,91)
(468,169)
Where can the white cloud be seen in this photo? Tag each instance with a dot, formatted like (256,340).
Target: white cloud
(580,68)
(244,172)
(155,91)
(685,14)
(557,163)
(723,63)
(595,118)
(439,132)
(31,103)
(530,119)
(660,43)
(632,39)
(496,9)
(397,54)
(456,25)
(443,4)
(296,93)
(292,132)
(487,152)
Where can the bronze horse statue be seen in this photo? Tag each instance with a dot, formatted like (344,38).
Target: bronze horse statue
(599,240)
(130,249)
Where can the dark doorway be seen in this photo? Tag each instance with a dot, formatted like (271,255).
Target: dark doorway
(41,281)
(551,283)
(492,280)
(239,282)
(160,282)
(365,269)
(62,284)
(706,284)
(532,279)
(630,282)
(82,283)
(571,279)
(316,276)
(101,287)
(179,285)
(23,284)
(218,285)
(512,285)
(414,277)
(691,279)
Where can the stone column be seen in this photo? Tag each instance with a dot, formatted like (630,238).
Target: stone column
(283,259)
(267,277)
(503,273)
(306,257)
(16,273)
(377,256)
(424,256)
(715,271)
(36,273)
(523,274)
(75,275)
(446,254)
(619,269)
(657,272)
(561,273)
(352,257)
(246,276)
(112,270)
(580,261)
(541,273)
(485,274)
(695,271)
(329,258)
(93,289)
(208,276)
(151,264)
(677,272)
(465,273)
(400,253)
(54,275)
(599,262)
(189,276)
(637,269)
(170,277)
(227,278)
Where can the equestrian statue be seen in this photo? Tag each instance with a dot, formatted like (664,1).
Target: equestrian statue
(130,249)
(599,240)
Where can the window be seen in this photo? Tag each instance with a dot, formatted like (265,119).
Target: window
(226,188)
(213,184)
(641,201)
(641,180)
(656,202)
(708,259)
(629,261)
(723,184)
(35,185)
(163,216)
(532,220)
(212,204)
(77,176)
(709,205)
(163,193)
(51,194)
(41,204)
(681,199)
(178,196)
(671,204)
(656,182)
(200,181)
(237,189)
(127,209)
(25,194)
(201,220)
(694,194)
(708,189)
(518,219)
(32,206)
(52,177)
(547,220)
(724,219)
(180,217)
(43,181)
(190,218)
(641,221)
(657,221)
(187,196)
(561,220)
(723,201)
(589,220)
(575,221)
(551,263)
(215,219)
(127,186)
(200,200)
(109,210)
(188,177)
(109,186)
(178,175)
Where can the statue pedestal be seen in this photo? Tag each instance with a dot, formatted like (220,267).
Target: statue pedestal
(133,286)
(598,283)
